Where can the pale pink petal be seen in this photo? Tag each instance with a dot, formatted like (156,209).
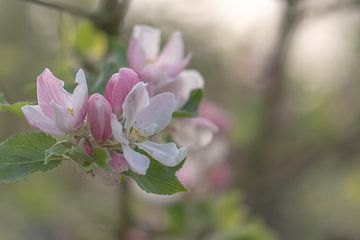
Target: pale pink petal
(167,154)
(216,115)
(135,102)
(182,86)
(49,89)
(172,59)
(118,162)
(79,102)
(138,162)
(173,51)
(148,39)
(99,117)
(194,132)
(157,115)
(175,69)
(190,173)
(36,118)
(64,117)
(152,74)
(136,56)
(80,77)
(119,87)
(117,130)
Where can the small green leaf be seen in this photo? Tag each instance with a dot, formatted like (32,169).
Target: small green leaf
(182,114)
(190,109)
(78,155)
(101,157)
(23,154)
(15,107)
(57,150)
(159,179)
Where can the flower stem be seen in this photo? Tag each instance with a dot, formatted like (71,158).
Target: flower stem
(125,215)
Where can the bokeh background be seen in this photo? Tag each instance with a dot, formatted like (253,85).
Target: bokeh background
(287,72)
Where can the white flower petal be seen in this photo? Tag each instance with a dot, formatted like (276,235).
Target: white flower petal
(138,162)
(167,154)
(157,115)
(117,130)
(136,101)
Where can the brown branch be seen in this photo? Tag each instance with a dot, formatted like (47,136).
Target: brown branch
(332,8)
(111,15)
(61,7)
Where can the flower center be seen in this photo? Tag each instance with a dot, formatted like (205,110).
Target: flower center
(135,135)
(150,61)
(71,111)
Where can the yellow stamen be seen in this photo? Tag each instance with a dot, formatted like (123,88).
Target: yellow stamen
(71,111)
(150,61)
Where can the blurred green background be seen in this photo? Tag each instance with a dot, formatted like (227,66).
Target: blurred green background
(286,71)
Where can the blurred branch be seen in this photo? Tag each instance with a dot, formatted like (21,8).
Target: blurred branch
(61,7)
(111,15)
(344,148)
(256,169)
(126,219)
(338,6)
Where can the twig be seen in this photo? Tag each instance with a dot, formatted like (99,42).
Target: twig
(341,5)
(125,215)
(61,7)
(110,16)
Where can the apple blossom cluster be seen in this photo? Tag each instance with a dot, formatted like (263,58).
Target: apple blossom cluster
(136,120)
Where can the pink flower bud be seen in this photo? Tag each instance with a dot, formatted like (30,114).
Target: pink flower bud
(118,88)
(118,162)
(88,147)
(99,115)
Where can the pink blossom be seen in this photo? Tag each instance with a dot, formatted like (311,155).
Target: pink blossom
(142,118)
(118,88)
(181,86)
(145,59)
(216,115)
(118,162)
(58,111)
(194,133)
(98,118)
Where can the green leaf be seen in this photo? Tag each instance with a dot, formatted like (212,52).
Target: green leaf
(101,158)
(23,154)
(159,179)
(78,155)
(182,114)
(190,109)
(15,107)
(57,150)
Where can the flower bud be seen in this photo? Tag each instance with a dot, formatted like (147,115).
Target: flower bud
(99,115)
(118,88)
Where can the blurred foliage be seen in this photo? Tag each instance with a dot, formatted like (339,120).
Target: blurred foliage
(312,174)
(215,217)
